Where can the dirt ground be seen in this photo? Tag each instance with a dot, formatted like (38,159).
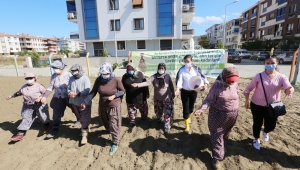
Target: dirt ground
(146,147)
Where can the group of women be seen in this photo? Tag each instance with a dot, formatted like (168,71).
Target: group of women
(72,89)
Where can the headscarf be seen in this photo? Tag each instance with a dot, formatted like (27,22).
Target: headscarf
(228,72)
(134,69)
(106,68)
(80,70)
(58,64)
(161,77)
(28,74)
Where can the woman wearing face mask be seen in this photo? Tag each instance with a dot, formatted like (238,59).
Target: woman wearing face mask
(188,96)
(163,95)
(136,99)
(78,90)
(273,81)
(110,90)
(32,93)
(223,103)
(59,82)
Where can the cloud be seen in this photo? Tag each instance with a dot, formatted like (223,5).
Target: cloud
(236,14)
(200,20)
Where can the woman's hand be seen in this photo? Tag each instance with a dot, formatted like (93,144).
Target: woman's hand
(43,100)
(72,94)
(38,99)
(177,92)
(134,85)
(197,113)
(83,106)
(289,92)
(112,97)
(204,87)
(8,97)
(247,105)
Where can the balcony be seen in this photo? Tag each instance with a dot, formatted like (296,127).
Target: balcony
(74,36)
(289,32)
(245,19)
(188,32)
(281,2)
(264,10)
(279,18)
(263,23)
(72,16)
(187,13)
(253,15)
(189,2)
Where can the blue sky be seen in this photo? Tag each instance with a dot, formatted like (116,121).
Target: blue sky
(48,18)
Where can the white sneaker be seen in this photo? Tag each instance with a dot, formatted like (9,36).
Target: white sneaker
(256,144)
(266,137)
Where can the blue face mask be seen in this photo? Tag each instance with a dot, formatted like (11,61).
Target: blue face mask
(270,67)
(130,72)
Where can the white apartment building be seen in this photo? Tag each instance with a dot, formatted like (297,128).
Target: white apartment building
(233,36)
(135,25)
(65,43)
(30,42)
(9,44)
(220,34)
(212,34)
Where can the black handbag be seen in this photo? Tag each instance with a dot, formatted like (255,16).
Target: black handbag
(275,109)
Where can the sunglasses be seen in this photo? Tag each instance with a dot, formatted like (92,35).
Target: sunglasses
(29,78)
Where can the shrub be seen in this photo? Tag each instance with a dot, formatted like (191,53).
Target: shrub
(35,58)
(105,52)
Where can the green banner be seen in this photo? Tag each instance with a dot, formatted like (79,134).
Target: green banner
(211,62)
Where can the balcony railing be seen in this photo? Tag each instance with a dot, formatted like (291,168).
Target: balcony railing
(189,10)
(188,32)
(281,2)
(289,32)
(263,23)
(264,10)
(245,19)
(189,2)
(279,18)
(72,15)
(253,15)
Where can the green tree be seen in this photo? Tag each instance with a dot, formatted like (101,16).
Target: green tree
(203,41)
(221,45)
(105,52)
(35,58)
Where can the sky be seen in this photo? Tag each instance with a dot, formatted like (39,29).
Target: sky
(48,18)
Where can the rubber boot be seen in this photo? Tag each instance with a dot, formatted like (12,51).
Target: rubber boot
(187,126)
(84,134)
(190,118)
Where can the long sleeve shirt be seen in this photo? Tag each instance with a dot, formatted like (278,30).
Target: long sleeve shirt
(184,75)
(80,86)
(59,84)
(222,97)
(30,92)
(272,87)
(160,93)
(112,87)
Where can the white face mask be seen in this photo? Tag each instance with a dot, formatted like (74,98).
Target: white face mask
(188,64)
(161,71)
(74,73)
(31,81)
(105,76)
(57,71)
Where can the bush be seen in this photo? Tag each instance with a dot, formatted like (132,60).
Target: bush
(115,65)
(35,59)
(105,52)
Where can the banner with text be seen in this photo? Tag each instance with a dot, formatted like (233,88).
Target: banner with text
(211,62)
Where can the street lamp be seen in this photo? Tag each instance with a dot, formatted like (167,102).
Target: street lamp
(224,26)
(113,6)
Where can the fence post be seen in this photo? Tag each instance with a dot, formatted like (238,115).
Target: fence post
(292,71)
(129,56)
(50,61)
(88,63)
(16,64)
(297,68)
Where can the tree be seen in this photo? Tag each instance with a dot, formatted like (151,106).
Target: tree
(221,45)
(35,58)
(203,41)
(105,53)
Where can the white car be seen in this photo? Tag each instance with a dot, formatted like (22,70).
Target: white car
(284,57)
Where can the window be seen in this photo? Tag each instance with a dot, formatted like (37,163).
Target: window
(139,24)
(141,44)
(263,19)
(98,49)
(254,10)
(292,9)
(290,27)
(251,34)
(112,25)
(121,45)
(274,2)
(246,15)
(137,3)
(280,11)
(253,22)
(272,16)
(113,4)
(165,44)
(270,31)
(165,17)
(90,19)
(245,25)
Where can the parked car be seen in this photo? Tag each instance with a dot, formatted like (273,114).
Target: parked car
(244,54)
(259,56)
(284,57)
(234,57)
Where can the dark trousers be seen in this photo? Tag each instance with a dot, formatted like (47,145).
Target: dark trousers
(188,99)
(260,117)
(59,106)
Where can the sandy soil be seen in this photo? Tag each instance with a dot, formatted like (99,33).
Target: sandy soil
(146,147)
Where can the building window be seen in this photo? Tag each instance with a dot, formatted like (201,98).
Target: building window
(290,27)
(98,49)
(121,45)
(165,17)
(274,2)
(253,22)
(137,3)
(117,23)
(251,34)
(113,4)
(141,44)
(246,26)
(280,11)
(246,15)
(139,24)
(254,12)
(165,44)
(270,31)
(272,16)
(90,19)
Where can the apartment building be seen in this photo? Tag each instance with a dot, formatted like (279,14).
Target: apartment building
(135,25)
(250,22)
(279,19)
(220,34)
(9,44)
(30,42)
(211,34)
(52,45)
(233,36)
(65,43)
